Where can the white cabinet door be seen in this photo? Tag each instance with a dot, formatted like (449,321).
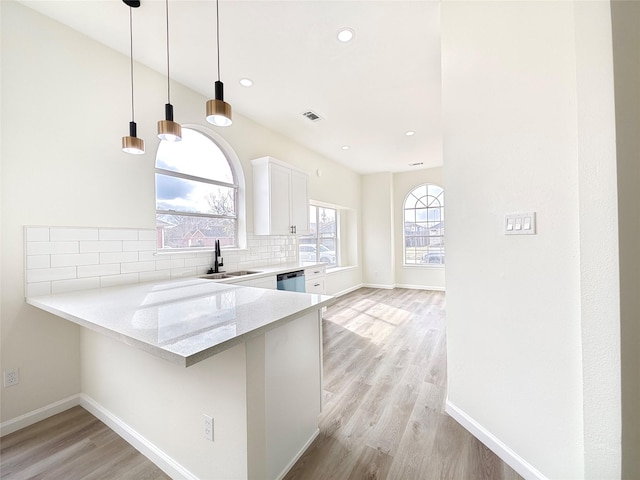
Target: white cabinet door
(314,279)
(314,286)
(280,191)
(280,198)
(299,203)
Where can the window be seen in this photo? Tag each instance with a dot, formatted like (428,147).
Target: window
(321,243)
(424,226)
(196,194)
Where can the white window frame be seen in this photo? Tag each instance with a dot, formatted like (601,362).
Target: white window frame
(428,235)
(317,244)
(238,186)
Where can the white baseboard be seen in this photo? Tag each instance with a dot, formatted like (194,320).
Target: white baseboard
(298,455)
(421,287)
(494,444)
(412,287)
(38,415)
(376,285)
(144,446)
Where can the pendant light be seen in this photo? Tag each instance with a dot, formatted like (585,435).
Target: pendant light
(132,144)
(168,129)
(218,111)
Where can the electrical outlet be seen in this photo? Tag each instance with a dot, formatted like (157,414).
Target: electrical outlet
(208,427)
(11,378)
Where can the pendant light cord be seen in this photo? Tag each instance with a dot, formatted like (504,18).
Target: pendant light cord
(131,58)
(168,81)
(218,37)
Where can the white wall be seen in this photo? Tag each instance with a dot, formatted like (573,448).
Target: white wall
(165,403)
(517,107)
(378,253)
(65,106)
(600,311)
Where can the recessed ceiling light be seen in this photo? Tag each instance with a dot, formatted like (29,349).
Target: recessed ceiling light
(246,82)
(409,133)
(345,147)
(346,34)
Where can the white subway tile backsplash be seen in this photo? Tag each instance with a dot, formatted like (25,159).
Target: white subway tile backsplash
(37,234)
(77,284)
(113,280)
(119,257)
(147,256)
(169,264)
(118,234)
(101,246)
(198,262)
(184,272)
(155,276)
(38,261)
(38,289)
(38,248)
(74,259)
(138,267)
(147,234)
(139,245)
(61,259)
(98,270)
(45,248)
(49,274)
(64,234)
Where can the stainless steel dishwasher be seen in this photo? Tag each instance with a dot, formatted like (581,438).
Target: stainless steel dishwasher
(291,281)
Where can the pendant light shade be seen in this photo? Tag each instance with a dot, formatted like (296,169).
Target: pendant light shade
(132,144)
(218,111)
(168,129)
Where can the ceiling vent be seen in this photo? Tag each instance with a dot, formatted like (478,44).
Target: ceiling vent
(314,117)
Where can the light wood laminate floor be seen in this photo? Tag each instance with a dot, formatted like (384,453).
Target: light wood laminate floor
(385,387)
(73,445)
(383,418)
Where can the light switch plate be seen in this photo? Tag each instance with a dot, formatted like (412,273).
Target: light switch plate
(520,223)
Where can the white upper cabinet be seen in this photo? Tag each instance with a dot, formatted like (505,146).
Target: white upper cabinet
(280,198)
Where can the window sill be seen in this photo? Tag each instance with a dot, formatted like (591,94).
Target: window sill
(334,270)
(423,265)
(207,251)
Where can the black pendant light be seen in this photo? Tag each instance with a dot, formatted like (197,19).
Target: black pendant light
(132,144)
(218,111)
(168,129)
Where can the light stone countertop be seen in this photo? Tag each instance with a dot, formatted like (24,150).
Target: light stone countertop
(184,321)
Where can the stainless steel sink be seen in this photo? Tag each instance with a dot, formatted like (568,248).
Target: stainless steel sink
(216,276)
(241,273)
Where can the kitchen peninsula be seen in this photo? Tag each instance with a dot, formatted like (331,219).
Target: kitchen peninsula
(254,361)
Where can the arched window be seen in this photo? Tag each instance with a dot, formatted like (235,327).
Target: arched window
(424,226)
(196,194)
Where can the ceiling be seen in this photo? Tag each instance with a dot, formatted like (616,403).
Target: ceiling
(368,92)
